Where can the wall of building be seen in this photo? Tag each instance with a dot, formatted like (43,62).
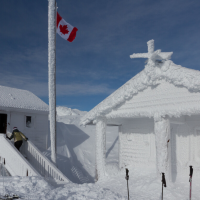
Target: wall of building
(37,131)
(137,142)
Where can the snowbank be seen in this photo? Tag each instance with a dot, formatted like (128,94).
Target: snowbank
(68,115)
(38,189)
(76,146)
(63,111)
(143,185)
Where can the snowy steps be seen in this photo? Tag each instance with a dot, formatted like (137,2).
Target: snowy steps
(78,174)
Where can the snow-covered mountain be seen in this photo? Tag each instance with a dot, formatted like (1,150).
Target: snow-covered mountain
(68,115)
(63,111)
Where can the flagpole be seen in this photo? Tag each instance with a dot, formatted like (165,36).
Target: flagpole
(52,75)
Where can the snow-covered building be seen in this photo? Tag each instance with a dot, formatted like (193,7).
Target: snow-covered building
(22,109)
(158,114)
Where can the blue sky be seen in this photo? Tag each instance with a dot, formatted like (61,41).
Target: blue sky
(97,62)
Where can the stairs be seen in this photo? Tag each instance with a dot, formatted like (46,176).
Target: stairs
(78,174)
(29,162)
(13,160)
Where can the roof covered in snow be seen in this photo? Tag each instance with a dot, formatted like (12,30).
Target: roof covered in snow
(21,99)
(154,73)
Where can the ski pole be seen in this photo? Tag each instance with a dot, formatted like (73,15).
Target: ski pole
(163,183)
(190,180)
(3,176)
(127,177)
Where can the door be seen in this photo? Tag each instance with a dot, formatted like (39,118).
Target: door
(180,150)
(3,123)
(185,151)
(196,148)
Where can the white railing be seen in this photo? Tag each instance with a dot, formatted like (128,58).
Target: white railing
(14,161)
(41,163)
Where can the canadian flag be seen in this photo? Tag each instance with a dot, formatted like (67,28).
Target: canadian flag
(65,30)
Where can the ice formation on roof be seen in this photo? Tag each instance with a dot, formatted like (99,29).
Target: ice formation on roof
(17,98)
(158,67)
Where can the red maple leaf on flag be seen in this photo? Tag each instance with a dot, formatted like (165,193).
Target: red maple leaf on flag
(63,29)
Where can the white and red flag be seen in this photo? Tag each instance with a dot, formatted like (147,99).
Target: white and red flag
(65,30)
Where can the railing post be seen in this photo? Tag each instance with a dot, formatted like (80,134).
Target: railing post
(39,162)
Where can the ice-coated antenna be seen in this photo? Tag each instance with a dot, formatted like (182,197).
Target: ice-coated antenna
(153,55)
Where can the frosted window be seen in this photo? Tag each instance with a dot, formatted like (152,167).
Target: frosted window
(28,121)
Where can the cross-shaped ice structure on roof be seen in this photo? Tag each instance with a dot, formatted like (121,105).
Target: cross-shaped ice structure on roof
(153,55)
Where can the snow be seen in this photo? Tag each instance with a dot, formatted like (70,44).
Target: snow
(150,45)
(78,143)
(153,55)
(143,185)
(151,76)
(68,115)
(20,99)
(161,129)
(64,111)
(38,189)
(159,101)
(76,146)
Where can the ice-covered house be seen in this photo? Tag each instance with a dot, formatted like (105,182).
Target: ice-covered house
(158,114)
(22,109)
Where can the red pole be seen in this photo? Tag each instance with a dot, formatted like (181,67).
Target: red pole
(190,190)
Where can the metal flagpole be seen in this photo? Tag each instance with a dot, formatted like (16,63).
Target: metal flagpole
(52,74)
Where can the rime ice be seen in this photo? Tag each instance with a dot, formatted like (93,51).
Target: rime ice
(52,74)
(152,110)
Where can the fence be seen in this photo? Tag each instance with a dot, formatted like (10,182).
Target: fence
(41,163)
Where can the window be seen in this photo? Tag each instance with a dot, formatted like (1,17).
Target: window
(28,121)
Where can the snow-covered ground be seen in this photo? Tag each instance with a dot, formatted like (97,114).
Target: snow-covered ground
(39,189)
(143,185)
(76,146)
(76,159)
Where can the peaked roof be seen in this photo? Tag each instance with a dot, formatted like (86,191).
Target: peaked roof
(151,75)
(23,99)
